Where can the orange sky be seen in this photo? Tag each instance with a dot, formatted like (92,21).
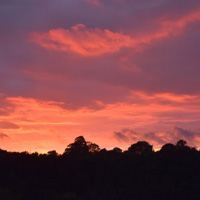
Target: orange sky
(44,125)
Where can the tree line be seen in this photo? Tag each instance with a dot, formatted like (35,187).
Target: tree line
(86,172)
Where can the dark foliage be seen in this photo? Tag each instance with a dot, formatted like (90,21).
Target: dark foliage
(140,147)
(84,172)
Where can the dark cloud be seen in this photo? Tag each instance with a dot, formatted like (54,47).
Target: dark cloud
(6,108)
(129,135)
(156,137)
(126,135)
(152,136)
(2,136)
(8,125)
(121,136)
(188,135)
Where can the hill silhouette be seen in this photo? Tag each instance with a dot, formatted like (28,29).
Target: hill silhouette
(86,172)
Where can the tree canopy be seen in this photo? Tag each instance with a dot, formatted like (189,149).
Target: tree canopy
(86,172)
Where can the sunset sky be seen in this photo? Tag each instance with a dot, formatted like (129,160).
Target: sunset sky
(114,71)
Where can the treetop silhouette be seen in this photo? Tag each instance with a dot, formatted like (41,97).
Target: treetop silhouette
(140,147)
(80,147)
(84,172)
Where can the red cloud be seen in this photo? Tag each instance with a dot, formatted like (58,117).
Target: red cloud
(79,39)
(8,125)
(95,42)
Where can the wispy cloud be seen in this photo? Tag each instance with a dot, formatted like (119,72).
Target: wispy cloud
(3,135)
(82,40)
(94,41)
(8,125)
(158,137)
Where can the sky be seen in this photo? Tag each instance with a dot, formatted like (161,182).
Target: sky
(114,71)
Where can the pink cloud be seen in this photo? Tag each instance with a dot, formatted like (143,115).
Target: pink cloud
(83,41)
(95,42)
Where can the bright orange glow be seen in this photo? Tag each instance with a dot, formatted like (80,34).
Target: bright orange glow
(46,125)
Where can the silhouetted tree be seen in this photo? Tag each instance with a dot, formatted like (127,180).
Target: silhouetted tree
(117,150)
(93,147)
(168,148)
(182,146)
(2,151)
(107,175)
(68,196)
(140,148)
(181,143)
(78,147)
(52,153)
